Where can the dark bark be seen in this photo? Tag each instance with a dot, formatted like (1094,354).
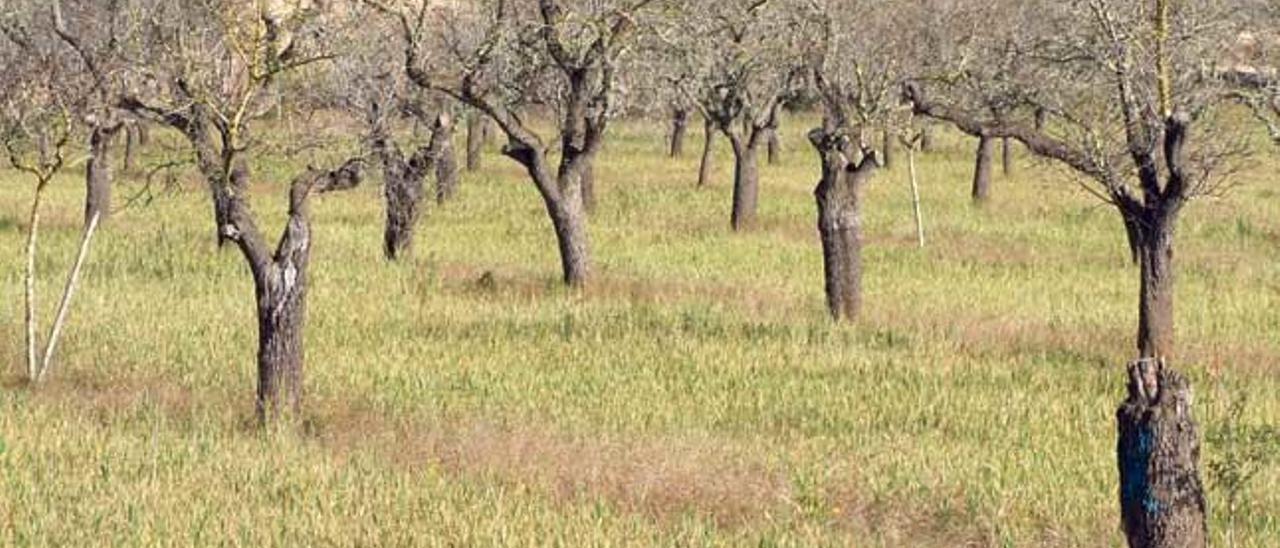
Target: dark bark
(708,141)
(746,181)
(445,159)
(131,145)
(982,170)
(679,128)
(926,138)
(1042,117)
(475,141)
(562,197)
(1162,499)
(98,175)
(1155,234)
(774,146)
(403,182)
(838,196)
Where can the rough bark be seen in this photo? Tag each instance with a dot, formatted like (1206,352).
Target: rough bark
(982,170)
(746,182)
(838,196)
(562,197)
(445,159)
(132,143)
(708,141)
(926,138)
(1162,499)
(403,182)
(1155,304)
(475,141)
(679,128)
(97,200)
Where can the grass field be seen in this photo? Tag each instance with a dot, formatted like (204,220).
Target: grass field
(696,394)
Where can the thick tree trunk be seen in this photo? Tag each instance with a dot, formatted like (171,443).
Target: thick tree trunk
(774,146)
(746,183)
(982,170)
(97,200)
(445,159)
(570,223)
(679,128)
(1155,307)
(1162,499)
(840,227)
(475,141)
(402,189)
(282,306)
(709,139)
(1006,156)
(222,203)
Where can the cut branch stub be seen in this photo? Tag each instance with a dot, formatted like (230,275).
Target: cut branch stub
(1161,496)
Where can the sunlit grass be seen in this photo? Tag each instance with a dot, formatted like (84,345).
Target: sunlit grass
(696,394)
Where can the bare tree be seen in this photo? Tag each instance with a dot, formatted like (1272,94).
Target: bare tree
(210,69)
(745,62)
(1125,116)
(857,82)
(499,56)
(39,95)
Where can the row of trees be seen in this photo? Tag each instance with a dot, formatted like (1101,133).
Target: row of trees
(1139,99)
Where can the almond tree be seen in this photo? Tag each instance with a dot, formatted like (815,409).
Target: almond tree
(208,71)
(856,76)
(39,95)
(745,62)
(499,56)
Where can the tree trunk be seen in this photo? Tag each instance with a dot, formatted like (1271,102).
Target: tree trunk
(1155,307)
(709,139)
(282,307)
(982,170)
(886,149)
(402,189)
(33,233)
(131,145)
(840,226)
(774,146)
(97,200)
(679,127)
(475,141)
(1162,501)
(746,183)
(1006,156)
(445,159)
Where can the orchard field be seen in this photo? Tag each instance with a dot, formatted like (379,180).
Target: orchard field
(695,393)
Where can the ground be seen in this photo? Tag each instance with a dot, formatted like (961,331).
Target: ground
(695,394)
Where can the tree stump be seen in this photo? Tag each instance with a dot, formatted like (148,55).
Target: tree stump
(1161,497)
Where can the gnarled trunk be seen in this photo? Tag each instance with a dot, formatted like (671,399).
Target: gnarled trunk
(97,200)
(403,182)
(282,312)
(679,127)
(708,140)
(1162,500)
(445,159)
(840,225)
(982,170)
(1155,233)
(746,182)
(587,179)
